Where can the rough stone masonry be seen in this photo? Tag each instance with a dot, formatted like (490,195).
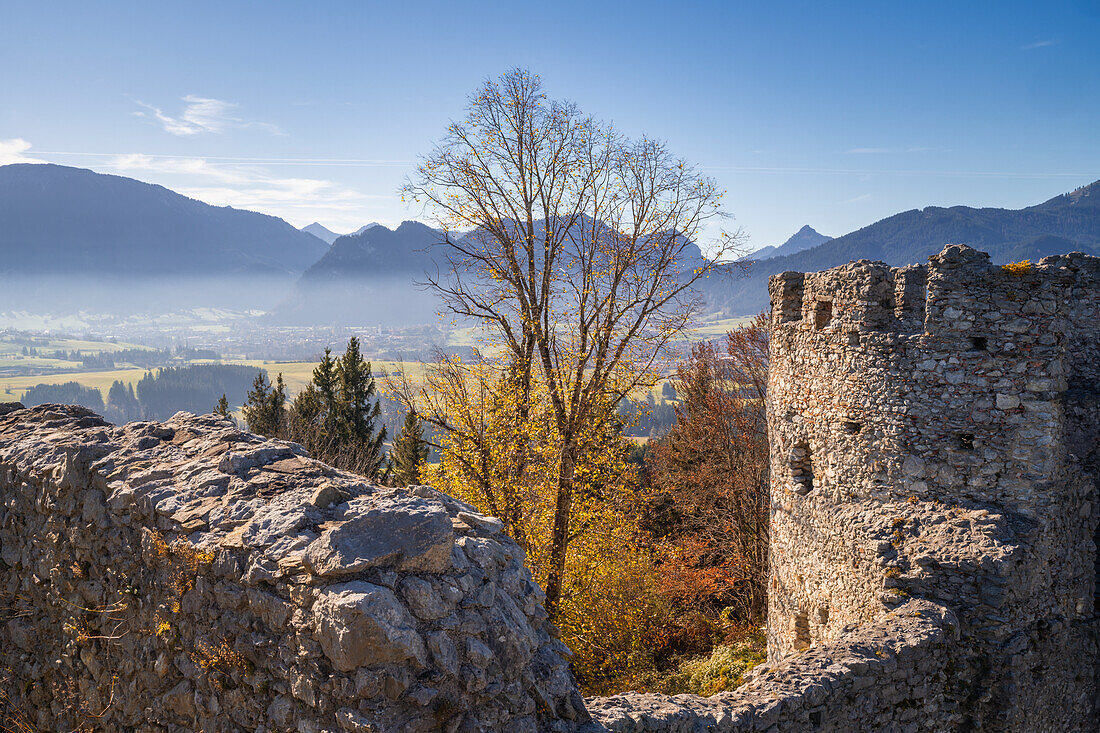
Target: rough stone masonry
(935,455)
(188,576)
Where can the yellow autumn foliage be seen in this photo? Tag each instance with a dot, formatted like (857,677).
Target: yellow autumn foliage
(610,605)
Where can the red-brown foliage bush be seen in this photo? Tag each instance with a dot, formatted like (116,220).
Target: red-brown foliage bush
(712,472)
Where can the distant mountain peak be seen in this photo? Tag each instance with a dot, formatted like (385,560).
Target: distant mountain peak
(805,238)
(322,232)
(328,236)
(807,235)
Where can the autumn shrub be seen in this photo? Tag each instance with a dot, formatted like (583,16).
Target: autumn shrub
(710,473)
(722,669)
(612,616)
(500,452)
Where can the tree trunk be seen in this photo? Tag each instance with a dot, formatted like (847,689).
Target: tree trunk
(559,541)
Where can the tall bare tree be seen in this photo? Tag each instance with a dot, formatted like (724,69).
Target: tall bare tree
(577,257)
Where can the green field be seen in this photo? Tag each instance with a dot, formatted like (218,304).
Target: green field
(11,351)
(296,374)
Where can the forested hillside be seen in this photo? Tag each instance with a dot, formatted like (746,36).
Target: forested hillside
(1066,223)
(366,278)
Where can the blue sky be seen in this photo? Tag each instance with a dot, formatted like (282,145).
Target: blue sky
(806,113)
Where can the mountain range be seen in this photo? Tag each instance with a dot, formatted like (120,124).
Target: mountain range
(377,276)
(74,240)
(58,219)
(1066,223)
(364,278)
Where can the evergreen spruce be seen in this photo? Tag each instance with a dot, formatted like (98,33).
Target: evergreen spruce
(336,415)
(264,409)
(326,382)
(276,406)
(410,451)
(222,408)
(358,412)
(122,404)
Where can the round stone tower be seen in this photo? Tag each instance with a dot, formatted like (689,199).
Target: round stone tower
(907,403)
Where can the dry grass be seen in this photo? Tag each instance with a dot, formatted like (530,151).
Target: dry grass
(219,657)
(184,563)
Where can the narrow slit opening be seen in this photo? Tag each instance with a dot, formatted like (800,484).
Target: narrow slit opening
(966,441)
(823,313)
(802,631)
(979,343)
(802,473)
(853,338)
(851,427)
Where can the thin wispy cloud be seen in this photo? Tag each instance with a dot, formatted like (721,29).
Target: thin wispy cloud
(13,149)
(929,173)
(1037,44)
(882,151)
(212,160)
(856,199)
(182,166)
(202,115)
(252,187)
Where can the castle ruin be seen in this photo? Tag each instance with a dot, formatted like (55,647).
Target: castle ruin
(935,457)
(934,435)
(934,467)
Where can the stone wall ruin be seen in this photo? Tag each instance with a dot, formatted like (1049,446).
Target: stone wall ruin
(188,576)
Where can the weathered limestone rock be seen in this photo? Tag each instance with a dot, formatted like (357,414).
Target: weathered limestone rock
(408,533)
(189,576)
(359,623)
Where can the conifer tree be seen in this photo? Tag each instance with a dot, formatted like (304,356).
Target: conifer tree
(358,411)
(336,416)
(122,404)
(222,408)
(326,380)
(314,412)
(276,406)
(410,451)
(264,409)
(254,407)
